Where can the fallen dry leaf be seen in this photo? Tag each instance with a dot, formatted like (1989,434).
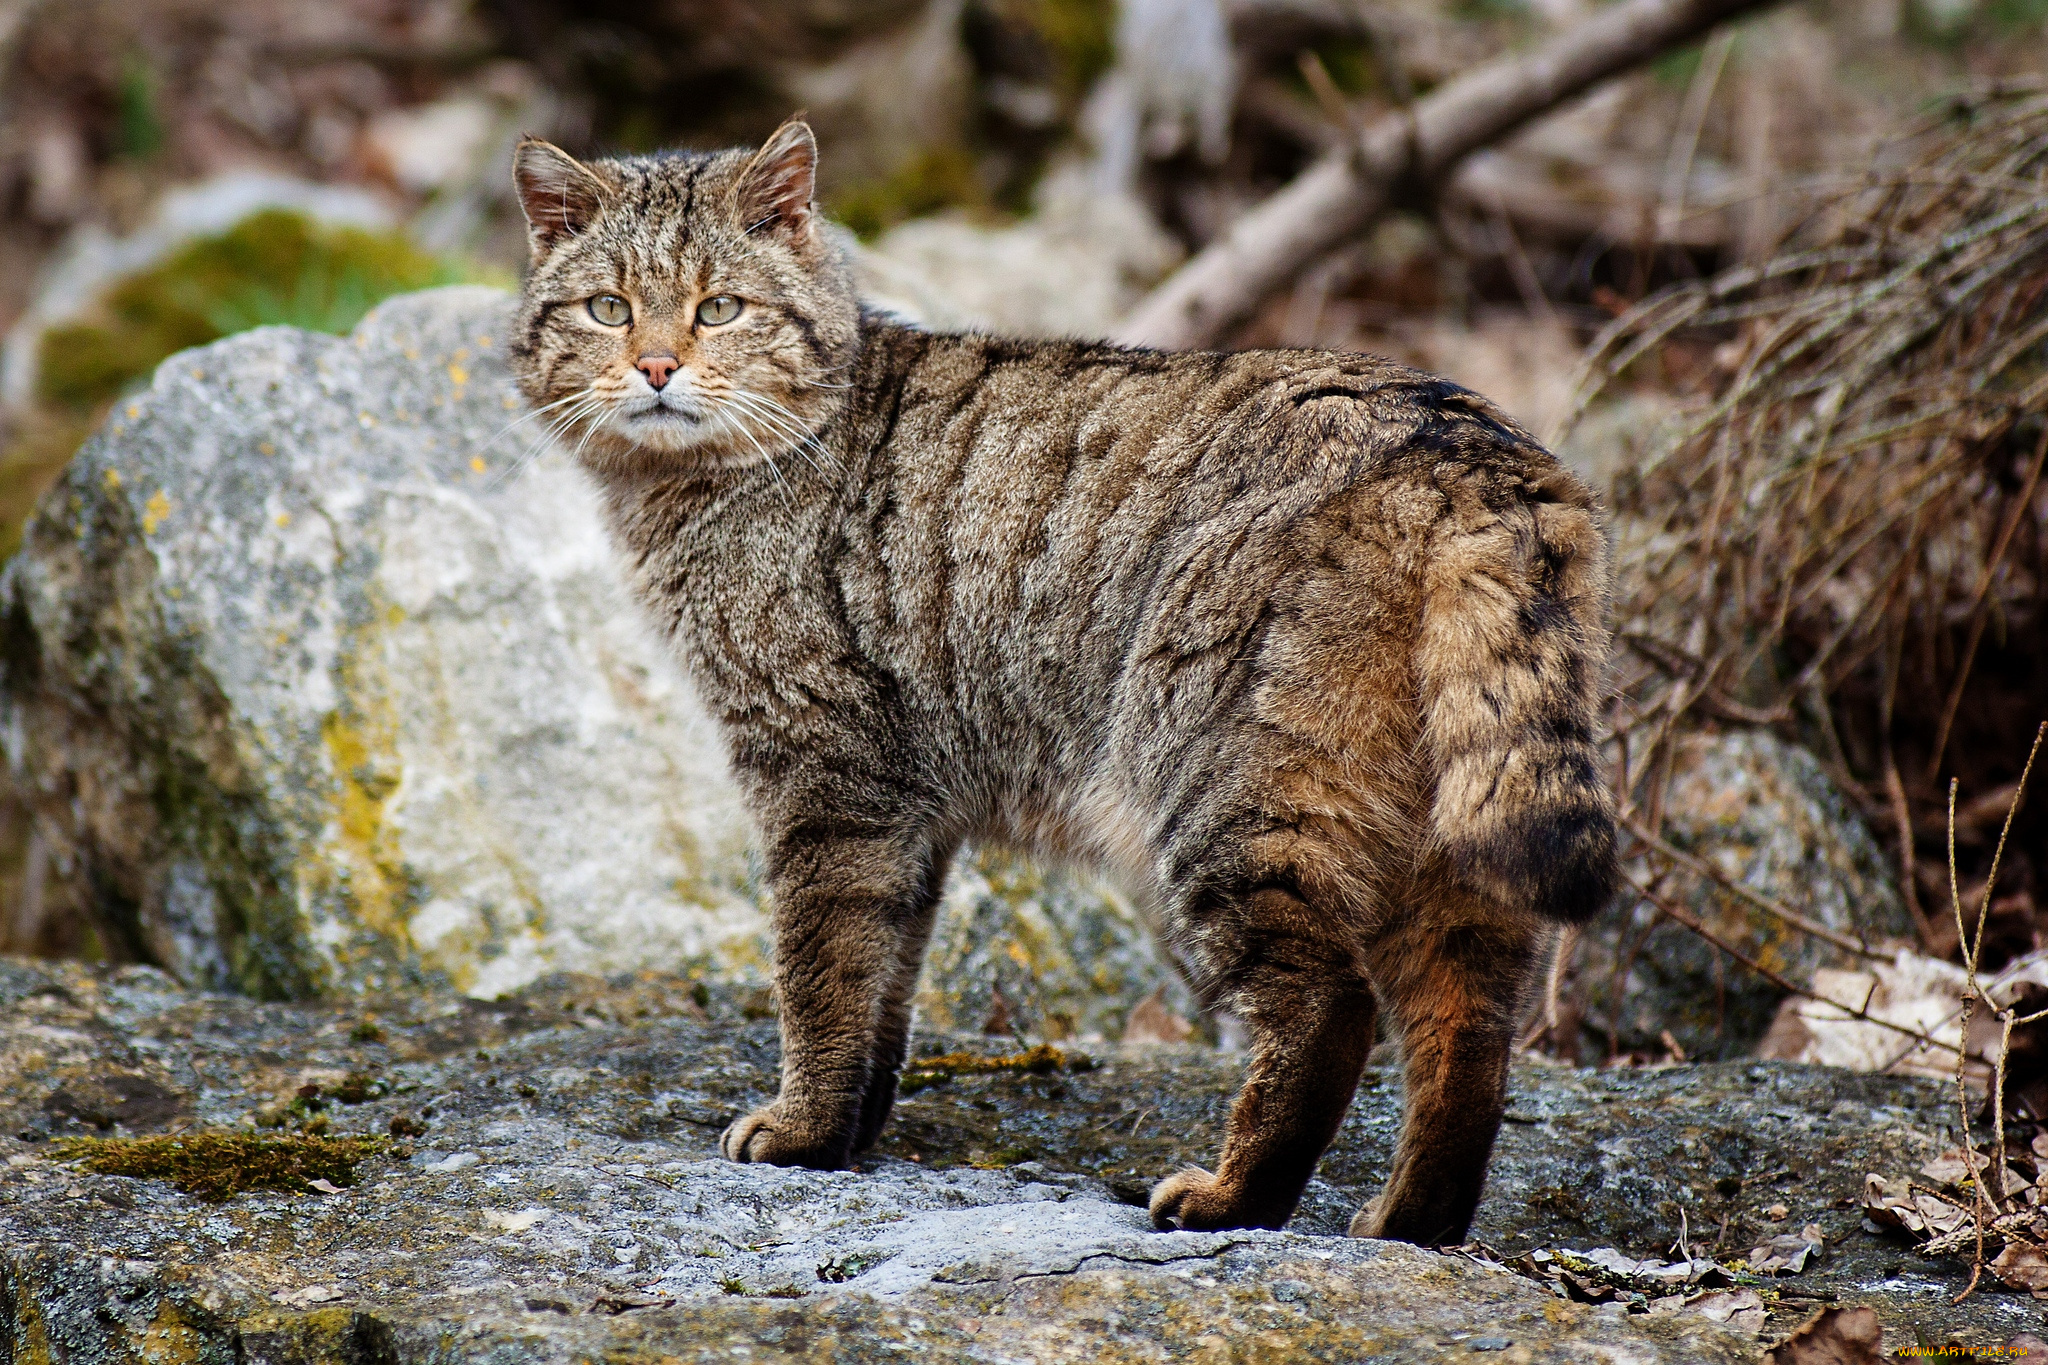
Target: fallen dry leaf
(2021,1267)
(1889,1204)
(1833,1336)
(1952,1167)
(1152,1021)
(1740,1308)
(1788,1252)
(1940,1215)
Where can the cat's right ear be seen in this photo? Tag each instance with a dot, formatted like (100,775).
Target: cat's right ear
(559,194)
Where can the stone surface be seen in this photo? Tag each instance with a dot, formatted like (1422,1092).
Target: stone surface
(1766,814)
(563,1201)
(316,681)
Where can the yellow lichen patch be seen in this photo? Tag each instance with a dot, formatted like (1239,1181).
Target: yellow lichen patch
(457,375)
(1042,1060)
(364,755)
(113,480)
(170,1338)
(217,1166)
(154,511)
(361,736)
(31,1335)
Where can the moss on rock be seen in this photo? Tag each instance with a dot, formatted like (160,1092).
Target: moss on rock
(217,1166)
(275,267)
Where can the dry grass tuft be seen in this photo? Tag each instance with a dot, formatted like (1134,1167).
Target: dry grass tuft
(1846,541)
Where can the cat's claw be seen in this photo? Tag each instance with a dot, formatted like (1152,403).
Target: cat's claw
(1186,1200)
(1192,1200)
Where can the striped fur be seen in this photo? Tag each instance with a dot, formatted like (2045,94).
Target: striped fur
(1301,646)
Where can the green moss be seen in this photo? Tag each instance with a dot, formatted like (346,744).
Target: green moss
(937,178)
(223,829)
(217,1166)
(1676,67)
(1352,66)
(274,267)
(139,129)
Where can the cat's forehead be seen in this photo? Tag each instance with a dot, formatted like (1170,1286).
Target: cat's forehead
(669,216)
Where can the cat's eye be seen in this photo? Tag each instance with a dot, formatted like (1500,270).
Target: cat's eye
(718,310)
(611,310)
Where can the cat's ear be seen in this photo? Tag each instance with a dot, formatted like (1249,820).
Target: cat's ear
(777,185)
(560,195)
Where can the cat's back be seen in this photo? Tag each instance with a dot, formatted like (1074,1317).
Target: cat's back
(1023,420)
(1044,518)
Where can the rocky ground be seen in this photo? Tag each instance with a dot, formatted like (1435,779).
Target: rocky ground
(553,1193)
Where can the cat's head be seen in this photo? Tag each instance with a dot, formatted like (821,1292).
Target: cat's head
(683,309)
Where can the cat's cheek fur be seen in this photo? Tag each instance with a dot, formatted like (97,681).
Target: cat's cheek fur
(1305,647)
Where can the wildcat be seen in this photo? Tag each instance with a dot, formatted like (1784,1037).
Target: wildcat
(1304,647)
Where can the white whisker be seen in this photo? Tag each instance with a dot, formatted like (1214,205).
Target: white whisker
(582,399)
(773,468)
(787,424)
(556,430)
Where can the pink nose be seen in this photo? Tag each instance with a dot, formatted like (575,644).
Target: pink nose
(657,368)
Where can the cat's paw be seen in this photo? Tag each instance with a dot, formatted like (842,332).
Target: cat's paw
(1194,1201)
(1366,1222)
(768,1135)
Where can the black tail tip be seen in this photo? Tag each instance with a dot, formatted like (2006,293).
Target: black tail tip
(1561,866)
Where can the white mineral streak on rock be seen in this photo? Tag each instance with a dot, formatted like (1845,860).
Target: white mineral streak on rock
(318,688)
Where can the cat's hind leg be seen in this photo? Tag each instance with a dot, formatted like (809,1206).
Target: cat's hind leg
(1456,978)
(1293,977)
(845,910)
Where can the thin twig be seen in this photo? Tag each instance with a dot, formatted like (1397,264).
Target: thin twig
(1691,921)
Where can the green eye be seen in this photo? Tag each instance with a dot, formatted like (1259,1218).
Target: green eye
(611,310)
(717,311)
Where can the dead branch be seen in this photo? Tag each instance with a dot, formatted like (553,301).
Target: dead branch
(1342,192)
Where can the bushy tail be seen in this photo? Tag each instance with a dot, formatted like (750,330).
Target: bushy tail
(1512,651)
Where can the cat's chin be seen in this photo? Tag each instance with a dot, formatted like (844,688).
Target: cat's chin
(640,449)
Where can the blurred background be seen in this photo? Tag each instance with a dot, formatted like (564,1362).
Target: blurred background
(175,170)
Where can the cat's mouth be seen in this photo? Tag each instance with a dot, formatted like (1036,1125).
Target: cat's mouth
(661,414)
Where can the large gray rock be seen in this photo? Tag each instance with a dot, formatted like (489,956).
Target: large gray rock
(316,681)
(1767,816)
(564,1201)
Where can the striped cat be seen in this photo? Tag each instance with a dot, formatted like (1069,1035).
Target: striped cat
(1302,647)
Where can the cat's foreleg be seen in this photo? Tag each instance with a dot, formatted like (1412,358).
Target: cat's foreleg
(844,911)
(1457,994)
(892,1029)
(1294,980)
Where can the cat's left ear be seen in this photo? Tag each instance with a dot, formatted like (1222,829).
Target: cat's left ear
(776,188)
